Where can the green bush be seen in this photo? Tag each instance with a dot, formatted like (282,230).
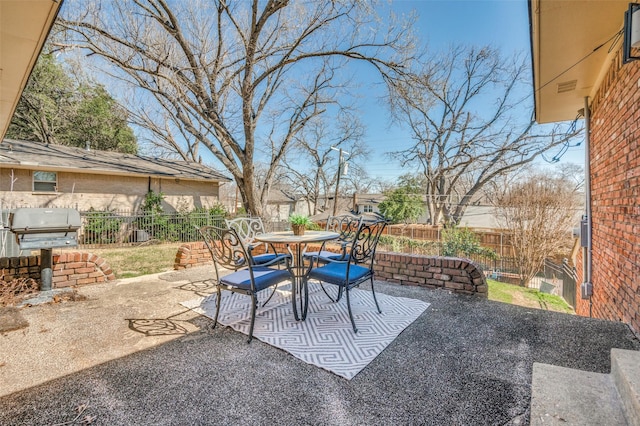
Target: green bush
(218,210)
(181,226)
(101,227)
(153,202)
(462,242)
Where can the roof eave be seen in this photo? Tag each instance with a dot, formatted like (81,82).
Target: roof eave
(572,45)
(93,171)
(24,28)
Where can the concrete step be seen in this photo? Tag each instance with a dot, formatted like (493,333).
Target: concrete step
(565,396)
(625,369)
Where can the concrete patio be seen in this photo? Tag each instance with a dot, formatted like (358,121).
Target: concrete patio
(130,354)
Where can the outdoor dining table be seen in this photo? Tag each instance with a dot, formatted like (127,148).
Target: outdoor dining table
(299,291)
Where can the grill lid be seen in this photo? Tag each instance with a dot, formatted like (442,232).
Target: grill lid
(42,220)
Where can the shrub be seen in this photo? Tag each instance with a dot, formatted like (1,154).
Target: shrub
(462,242)
(101,227)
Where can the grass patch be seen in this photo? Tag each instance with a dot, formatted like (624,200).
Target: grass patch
(129,262)
(500,292)
(528,297)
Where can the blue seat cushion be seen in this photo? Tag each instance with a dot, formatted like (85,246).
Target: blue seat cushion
(268,258)
(264,277)
(324,255)
(336,273)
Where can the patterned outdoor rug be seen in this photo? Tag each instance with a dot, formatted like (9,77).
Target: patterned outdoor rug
(326,338)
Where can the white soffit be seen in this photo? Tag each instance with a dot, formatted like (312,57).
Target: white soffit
(24,26)
(564,34)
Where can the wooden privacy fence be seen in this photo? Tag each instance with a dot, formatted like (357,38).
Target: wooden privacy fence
(500,242)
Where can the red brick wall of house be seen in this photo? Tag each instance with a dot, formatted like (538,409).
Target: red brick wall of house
(69,269)
(615,182)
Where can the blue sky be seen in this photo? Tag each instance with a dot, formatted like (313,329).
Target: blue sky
(503,24)
(441,23)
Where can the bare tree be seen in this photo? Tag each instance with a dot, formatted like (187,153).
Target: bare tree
(237,79)
(470,117)
(312,167)
(539,213)
(358,180)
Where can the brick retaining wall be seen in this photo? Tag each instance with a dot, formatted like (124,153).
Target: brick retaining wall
(192,254)
(457,275)
(69,269)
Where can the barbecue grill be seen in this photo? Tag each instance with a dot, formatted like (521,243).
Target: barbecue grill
(45,229)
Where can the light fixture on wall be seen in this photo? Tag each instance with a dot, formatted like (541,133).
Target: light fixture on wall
(631,45)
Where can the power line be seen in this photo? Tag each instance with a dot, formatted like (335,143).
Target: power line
(616,36)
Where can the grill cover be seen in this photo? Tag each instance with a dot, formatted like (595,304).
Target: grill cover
(45,228)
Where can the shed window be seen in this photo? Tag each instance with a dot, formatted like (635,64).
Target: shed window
(367,208)
(45,181)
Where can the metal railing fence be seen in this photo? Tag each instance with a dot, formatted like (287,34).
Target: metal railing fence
(124,228)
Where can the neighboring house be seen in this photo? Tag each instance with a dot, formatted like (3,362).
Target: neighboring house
(325,206)
(37,175)
(578,66)
(281,204)
(367,203)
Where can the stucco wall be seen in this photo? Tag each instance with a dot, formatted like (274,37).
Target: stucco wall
(615,182)
(102,192)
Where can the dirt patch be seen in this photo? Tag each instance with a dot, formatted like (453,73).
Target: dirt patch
(69,296)
(11,319)
(25,292)
(521,300)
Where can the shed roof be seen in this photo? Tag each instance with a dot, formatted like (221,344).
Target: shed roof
(39,156)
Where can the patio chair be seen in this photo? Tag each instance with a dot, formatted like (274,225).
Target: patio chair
(345,225)
(229,252)
(357,266)
(247,228)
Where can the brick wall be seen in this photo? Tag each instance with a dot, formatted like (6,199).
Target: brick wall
(615,182)
(192,254)
(69,269)
(457,275)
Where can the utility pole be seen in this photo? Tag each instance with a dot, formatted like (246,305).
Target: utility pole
(340,163)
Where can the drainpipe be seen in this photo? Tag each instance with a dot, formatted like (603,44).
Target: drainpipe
(587,286)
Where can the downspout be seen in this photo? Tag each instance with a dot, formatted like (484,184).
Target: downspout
(587,285)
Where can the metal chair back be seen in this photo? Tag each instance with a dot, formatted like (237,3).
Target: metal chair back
(346,225)
(226,247)
(246,227)
(365,241)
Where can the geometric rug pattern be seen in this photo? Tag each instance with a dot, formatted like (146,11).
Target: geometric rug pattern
(326,338)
